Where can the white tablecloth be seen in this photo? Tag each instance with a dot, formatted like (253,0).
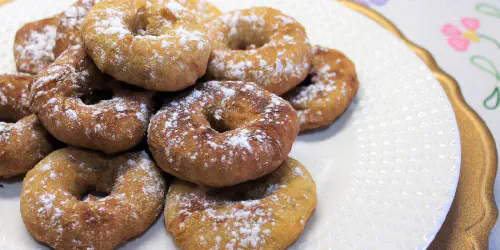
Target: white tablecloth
(464,38)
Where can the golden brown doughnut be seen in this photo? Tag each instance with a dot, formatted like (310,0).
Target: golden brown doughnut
(328,93)
(23,140)
(157,46)
(255,133)
(259,45)
(268,213)
(63,99)
(69,26)
(14,96)
(34,45)
(54,212)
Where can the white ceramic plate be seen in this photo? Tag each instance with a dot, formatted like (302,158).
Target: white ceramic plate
(386,171)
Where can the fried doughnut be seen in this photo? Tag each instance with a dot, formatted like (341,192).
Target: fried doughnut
(155,46)
(255,133)
(14,95)
(259,45)
(23,140)
(328,93)
(63,98)
(34,45)
(56,212)
(268,213)
(69,26)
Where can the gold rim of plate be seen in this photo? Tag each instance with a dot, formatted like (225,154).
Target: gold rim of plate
(473,212)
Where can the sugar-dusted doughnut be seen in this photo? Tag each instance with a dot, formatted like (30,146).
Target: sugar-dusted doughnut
(34,44)
(83,107)
(260,45)
(14,96)
(69,25)
(55,211)
(268,213)
(23,140)
(158,46)
(328,92)
(223,133)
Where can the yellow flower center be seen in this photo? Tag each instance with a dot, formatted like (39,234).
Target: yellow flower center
(471,35)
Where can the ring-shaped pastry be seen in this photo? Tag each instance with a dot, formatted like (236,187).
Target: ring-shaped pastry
(268,213)
(56,212)
(223,133)
(23,140)
(83,107)
(34,44)
(259,45)
(157,45)
(328,92)
(69,25)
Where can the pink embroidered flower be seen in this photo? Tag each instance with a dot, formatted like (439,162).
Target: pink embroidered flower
(458,40)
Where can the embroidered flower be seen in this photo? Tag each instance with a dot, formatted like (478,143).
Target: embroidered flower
(459,40)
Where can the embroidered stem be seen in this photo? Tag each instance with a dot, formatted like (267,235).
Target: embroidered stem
(491,39)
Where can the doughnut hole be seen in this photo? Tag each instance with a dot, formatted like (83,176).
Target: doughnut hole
(244,35)
(92,194)
(217,125)
(96,96)
(140,23)
(248,41)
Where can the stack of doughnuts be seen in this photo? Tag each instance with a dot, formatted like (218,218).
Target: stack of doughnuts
(113,95)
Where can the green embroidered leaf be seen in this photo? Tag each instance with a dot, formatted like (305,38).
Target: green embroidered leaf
(488,9)
(493,100)
(485,65)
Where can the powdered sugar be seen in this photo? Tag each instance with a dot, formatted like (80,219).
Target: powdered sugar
(72,115)
(46,201)
(175,7)
(245,221)
(201,8)
(241,140)
(68,32)
(36,51)
(298,171)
